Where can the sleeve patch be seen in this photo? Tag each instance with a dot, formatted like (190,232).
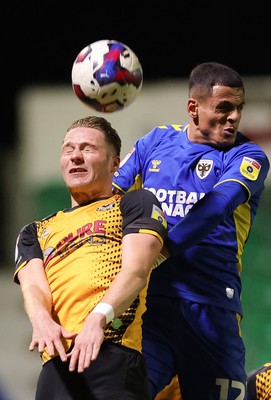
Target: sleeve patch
(158,214)
(250,168)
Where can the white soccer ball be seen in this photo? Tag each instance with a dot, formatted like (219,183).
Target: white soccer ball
(107,76)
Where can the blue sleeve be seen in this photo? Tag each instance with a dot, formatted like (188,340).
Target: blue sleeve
(205,215)
(129,175)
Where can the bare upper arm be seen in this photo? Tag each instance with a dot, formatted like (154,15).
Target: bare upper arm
(33,274)
(139,251)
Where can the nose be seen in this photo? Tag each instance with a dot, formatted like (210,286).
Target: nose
(76,155)
(235,115)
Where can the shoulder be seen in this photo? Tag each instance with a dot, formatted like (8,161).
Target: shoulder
(29,228)
(245,146)
(140,202)
(243,142)
(163,132)
(172,127)
(138,198)
(142,210)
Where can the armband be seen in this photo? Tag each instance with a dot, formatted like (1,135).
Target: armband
(106,309)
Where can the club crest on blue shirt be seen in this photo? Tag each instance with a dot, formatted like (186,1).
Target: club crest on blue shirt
(204,167)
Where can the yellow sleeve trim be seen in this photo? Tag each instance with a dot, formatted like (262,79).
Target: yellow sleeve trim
(153,233)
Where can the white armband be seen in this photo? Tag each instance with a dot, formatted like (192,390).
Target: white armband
(106,309)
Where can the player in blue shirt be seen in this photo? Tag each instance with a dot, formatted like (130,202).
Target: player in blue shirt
(209,179)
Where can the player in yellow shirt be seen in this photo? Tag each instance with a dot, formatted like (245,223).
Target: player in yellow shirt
(259,383)
(84,272)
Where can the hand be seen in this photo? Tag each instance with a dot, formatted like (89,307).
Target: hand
(47,334)
(87,343)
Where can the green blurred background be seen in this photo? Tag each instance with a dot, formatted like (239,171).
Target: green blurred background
(256,278)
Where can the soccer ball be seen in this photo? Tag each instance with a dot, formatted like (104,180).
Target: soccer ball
(107,76)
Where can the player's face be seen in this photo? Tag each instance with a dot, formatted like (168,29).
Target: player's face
(218,116)
(88,162)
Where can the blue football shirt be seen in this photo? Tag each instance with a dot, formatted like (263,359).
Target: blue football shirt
(180,173)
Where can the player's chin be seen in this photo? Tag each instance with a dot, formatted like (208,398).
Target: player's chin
(229,138)
(75,185)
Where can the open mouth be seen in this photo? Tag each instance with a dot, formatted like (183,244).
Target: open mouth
(229,131)
(77,170)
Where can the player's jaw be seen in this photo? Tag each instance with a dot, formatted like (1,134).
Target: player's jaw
(224,136)
(218,135)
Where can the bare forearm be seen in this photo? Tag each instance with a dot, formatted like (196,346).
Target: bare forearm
(37,303)
(123,291)
(35,289)
(46,333)
(139,254)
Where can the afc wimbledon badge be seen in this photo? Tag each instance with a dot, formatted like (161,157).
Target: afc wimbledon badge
(203,168)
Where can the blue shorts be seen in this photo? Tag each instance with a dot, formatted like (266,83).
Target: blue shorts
(199,343)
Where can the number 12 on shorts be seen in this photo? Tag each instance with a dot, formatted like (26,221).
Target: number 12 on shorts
(224,388)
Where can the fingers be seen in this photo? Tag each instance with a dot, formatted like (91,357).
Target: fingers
(59,345)
(81,358)
(34,343)
(68,335)
(85,349)
(52,343)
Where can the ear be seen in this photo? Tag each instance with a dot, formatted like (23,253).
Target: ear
(116,163)
(192,108)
